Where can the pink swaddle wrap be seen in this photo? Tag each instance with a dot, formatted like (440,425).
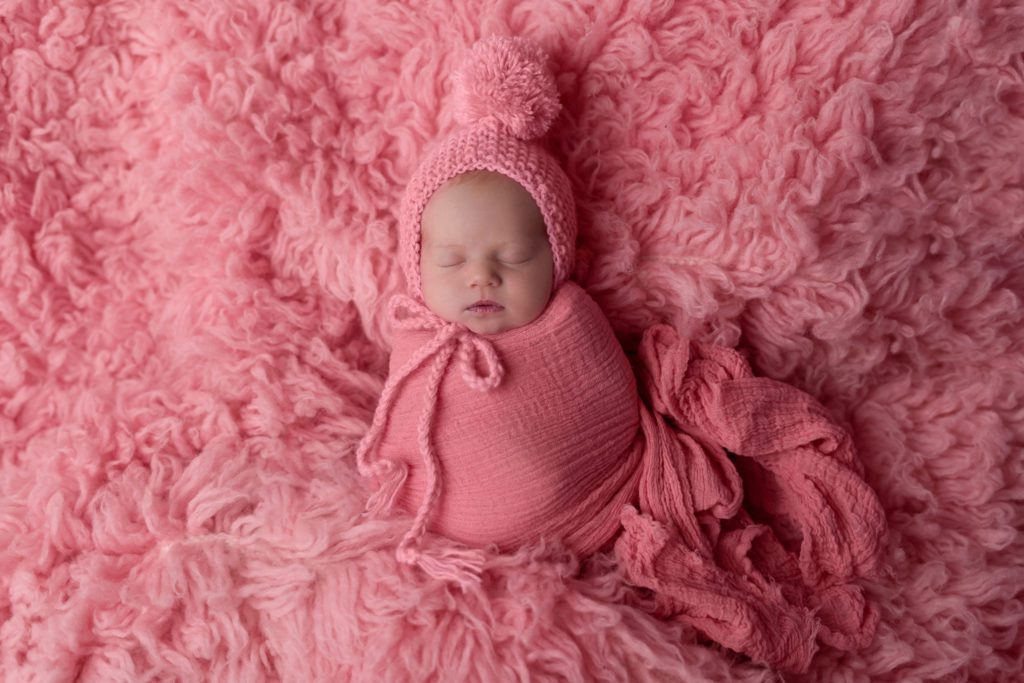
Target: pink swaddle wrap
(536,454)
(545,430)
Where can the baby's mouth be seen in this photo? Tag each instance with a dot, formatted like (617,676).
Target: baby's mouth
(485,307)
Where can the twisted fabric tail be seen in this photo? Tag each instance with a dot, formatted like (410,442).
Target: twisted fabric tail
(383,499)
(726,448)
(390,473)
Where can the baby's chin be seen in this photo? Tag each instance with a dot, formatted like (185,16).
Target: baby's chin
(489,326)
(489,323)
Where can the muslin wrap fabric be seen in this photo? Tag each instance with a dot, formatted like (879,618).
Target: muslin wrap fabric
(736,499)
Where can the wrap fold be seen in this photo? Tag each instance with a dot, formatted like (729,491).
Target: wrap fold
(736,499)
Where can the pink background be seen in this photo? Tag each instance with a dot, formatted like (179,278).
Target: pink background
(198,233)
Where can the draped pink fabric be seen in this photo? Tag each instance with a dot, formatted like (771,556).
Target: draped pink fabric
(736,499)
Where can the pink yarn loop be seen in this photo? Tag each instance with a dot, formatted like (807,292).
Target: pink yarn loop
(406,313)
(473,348)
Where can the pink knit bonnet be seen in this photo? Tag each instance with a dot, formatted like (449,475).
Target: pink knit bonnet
(506,99)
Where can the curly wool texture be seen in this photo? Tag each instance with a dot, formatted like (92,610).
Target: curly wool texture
(198,240)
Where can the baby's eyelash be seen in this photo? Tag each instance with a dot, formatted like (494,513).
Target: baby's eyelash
(511,263)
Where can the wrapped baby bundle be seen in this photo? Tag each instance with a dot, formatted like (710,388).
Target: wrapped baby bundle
(540,431)
(528,429)
(737,500)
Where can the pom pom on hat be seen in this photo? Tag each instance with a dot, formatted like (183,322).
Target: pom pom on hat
(507,79)
(505,99)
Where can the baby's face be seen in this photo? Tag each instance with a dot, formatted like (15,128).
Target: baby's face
(484,238)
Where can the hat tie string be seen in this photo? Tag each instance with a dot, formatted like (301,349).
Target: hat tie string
(471,350)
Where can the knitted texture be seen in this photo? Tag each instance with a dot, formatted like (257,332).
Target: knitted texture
(506,99)
(545,431)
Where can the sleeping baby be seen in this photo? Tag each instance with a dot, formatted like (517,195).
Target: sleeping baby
(485,260)
(511,412)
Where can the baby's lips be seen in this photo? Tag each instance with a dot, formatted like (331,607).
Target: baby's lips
(487,304)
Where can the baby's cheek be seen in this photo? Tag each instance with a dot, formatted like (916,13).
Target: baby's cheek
(429,277)
(428,285)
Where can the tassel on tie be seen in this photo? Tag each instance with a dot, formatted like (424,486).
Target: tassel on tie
(461,566)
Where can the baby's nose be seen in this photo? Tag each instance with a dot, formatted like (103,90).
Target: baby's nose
(483,273)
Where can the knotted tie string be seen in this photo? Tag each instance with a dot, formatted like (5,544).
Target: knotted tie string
(461,565)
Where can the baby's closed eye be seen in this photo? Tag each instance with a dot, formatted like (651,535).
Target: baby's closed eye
(512,259)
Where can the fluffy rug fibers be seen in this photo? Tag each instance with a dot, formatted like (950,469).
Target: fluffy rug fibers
(198,237)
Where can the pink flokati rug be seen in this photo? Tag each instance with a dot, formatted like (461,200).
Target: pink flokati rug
(198,232)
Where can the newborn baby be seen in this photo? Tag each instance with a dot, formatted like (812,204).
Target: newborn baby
(510,404)
(511,413)
(516,451)
(485,262)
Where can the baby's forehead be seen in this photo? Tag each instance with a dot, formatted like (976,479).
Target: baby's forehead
(474,210)
(520,234)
